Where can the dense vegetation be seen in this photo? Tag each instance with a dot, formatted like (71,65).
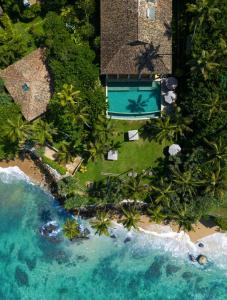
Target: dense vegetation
(184,187)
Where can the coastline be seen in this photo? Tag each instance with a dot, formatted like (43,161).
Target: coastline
(37,176)
(29,167)
(200,230)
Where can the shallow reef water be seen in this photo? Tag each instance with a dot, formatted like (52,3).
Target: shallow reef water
(147,267)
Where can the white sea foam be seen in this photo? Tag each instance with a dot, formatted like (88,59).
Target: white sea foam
(12,174)
(179,244)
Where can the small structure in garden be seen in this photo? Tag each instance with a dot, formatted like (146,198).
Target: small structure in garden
(174,149)
(29,84)
(50,152)
(133,135)
(75,165)
(112,155)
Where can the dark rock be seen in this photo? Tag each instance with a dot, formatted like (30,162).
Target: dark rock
(192,257)
(128,239)
(21,277)
(31,263)
(82,258)
(86,231)
(113,236)
(201,245)
(202,259)
(154,270)
(187,275)
(171,269)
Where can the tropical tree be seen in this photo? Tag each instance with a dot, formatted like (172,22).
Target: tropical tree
(215,106)
(64,152)
(156,214)
(203,11)
(101,224)
(162,192)
(171,127)
(164,129)
(68,95)
(71,229)
(130,218)
(135,187)
(71,101)
(217,152)
(43,132)
(16,130)
(204,62)
(186,182)
(216,184)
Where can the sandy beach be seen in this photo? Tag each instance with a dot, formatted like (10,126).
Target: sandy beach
(200,230)
(28,167)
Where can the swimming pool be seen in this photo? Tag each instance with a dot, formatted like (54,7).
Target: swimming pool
(133,100)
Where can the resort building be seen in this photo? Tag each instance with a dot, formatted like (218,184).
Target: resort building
(136,45)
(28,82)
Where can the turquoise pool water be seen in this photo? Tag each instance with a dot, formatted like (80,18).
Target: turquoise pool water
(133,99)
(148,267)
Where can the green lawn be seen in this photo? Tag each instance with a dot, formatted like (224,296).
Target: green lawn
(222,210)
(136,155)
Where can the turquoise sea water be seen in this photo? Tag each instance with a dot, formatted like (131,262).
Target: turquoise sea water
(133,99)
(147,267)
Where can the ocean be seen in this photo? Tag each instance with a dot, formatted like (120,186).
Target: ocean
(150,265)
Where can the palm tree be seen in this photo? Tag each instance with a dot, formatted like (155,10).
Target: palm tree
(135,187)
(171,127)
(186,181)
(184,218)
(163,192)
(165,130)
(130,218)
(204,11)
(70,99)
(68,95)
(71,229)
(101,224)
(16,130)
(43,132)
(204,62)
(216,184)
(215,106)
(64,152)
(217,152)
(156,214)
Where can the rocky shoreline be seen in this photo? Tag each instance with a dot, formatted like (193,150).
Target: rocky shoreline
(42,176)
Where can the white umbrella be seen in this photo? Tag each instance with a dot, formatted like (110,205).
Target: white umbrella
(170,97)
(174,149)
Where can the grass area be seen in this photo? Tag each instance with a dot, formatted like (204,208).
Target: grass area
(136,155)
(24,29)
(222,210)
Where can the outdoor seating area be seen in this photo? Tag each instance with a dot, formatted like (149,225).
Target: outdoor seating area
(112,155)
(133,135)
(168,86)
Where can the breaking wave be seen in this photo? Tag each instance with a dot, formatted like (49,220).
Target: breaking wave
(12,174)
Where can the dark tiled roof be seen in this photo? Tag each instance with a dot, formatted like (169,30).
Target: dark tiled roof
(130,42)
(28,82)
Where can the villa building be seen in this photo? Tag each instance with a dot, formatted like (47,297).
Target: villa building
(136,44)
(28,82)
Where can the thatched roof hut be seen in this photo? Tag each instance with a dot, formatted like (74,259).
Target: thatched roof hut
(28,82)
(136,37)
